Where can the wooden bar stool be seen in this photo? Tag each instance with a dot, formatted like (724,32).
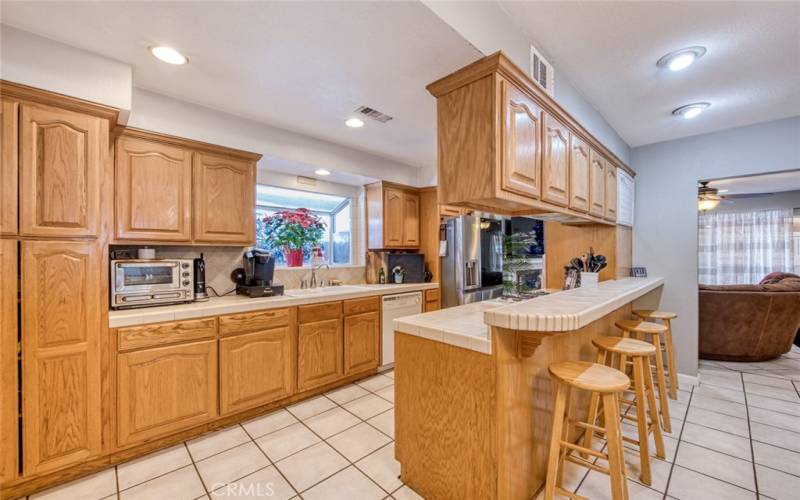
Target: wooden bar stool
(638,330)
(665,318)
(639,352)
(605,383)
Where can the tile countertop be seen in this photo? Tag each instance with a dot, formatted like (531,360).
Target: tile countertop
(469,326)
(237,303)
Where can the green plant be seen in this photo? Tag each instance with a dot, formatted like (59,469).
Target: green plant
(514,259)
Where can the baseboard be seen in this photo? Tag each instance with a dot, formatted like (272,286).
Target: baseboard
(686,380)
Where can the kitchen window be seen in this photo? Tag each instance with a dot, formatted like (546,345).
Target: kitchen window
(335,212)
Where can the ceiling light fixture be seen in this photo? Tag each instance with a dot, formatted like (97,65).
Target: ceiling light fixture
(322,171)
(168,55)
(690,111)
(707,197)
(681,59)
(354,123)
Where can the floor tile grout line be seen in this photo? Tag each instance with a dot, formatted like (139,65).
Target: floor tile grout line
(116,479)
(196,470)
(271,463)
(750,435)
(712,477)
(678,445)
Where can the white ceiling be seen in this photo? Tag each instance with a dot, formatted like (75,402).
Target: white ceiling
(767,183)
(301,66)
(608,50)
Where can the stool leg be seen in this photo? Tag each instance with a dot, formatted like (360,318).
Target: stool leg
(555,441)
(662,384)
(653,411)
(623,360)
(616,464)
(564,437)
(594,406)
(639,369)
(673,369)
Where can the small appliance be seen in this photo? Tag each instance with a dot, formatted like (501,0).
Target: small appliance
(147,282)
(254,278)
(200,294)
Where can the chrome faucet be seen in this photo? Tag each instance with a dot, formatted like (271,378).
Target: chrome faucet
(314,274)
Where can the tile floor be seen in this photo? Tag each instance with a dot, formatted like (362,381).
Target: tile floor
(737,435)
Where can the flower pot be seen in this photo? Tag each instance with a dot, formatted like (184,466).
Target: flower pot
(293,256)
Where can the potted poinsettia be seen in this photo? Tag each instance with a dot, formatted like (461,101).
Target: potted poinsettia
(293,231)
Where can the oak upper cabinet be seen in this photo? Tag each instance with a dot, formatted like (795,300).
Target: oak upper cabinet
(62,159)
(611,192)
(522,143)
(319,345)
(8,360)
(224,199)
(255,369)
(579,168)
(362,335)
(597,184)
(393,214)
(165,389)
(9,166)
(555,163)
(153,190)
(63,336)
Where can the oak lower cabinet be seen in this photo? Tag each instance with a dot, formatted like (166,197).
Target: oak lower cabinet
(9,452)
(393,216)
(319,353)
(165,389)
(432,300)
(224,199)
(362,342)
(9,166)
(255,369)
(63,336)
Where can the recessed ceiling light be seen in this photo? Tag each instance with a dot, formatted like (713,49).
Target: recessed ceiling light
(354,122)
(691,110)
(322,171)
(168,55)
(681,59)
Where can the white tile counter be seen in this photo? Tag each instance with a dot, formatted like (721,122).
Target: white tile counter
(237,303)
(469,326)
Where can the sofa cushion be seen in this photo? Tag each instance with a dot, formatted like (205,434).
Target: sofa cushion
(776,277)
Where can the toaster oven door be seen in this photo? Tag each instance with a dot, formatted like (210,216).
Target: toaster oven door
(146,276)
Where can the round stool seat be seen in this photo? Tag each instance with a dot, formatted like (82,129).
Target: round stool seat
(590,376)
(620,345)
(651,314)
(639,326)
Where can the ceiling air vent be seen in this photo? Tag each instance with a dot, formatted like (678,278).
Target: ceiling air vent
(373,113)
(542,71)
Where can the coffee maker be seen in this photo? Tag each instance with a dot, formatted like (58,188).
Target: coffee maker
(254,279)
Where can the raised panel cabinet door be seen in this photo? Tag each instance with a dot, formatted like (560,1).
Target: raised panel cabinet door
(8,360)
(9,166)
(255,369)
(361,342)
(611,192)
(555,164)
(522,143)
(62,339)
(224,199)
(597,184)
(410,220)
(62,157)
(393,207)
(165,389)
(319,353)
(579,173)
(153,190)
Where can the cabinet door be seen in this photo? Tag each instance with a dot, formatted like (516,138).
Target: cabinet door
(62,156)
(361,342)
(153,191)
(62,340)
(579,168)
(522,143)
(597,185)
(410,220)
(255,369)
(8,360)
(165,389)
(611,192)
(8,166)
(555,164)
(319,353)
(224,200)
(393,206)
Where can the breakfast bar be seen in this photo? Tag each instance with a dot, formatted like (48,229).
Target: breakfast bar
(472,392)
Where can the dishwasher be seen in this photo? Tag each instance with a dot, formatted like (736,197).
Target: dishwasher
(393,307)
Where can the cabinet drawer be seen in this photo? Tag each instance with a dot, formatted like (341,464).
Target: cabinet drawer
(233,324)
(358,306)
(432,295)
(319,312)
(138,337)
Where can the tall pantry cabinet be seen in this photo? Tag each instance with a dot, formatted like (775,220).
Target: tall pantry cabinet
(56,210)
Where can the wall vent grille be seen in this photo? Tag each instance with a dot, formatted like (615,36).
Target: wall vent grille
(542,71)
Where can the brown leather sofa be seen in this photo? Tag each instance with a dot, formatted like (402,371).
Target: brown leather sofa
(748,322)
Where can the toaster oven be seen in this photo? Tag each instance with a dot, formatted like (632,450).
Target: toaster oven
(141,283)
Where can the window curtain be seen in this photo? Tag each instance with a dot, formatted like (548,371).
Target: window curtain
(743,247)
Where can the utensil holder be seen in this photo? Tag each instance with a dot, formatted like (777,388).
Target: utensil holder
(589,279)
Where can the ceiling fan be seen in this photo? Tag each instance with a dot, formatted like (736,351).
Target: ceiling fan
(707,197)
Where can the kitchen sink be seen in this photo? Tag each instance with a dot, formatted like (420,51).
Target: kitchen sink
(326,290)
